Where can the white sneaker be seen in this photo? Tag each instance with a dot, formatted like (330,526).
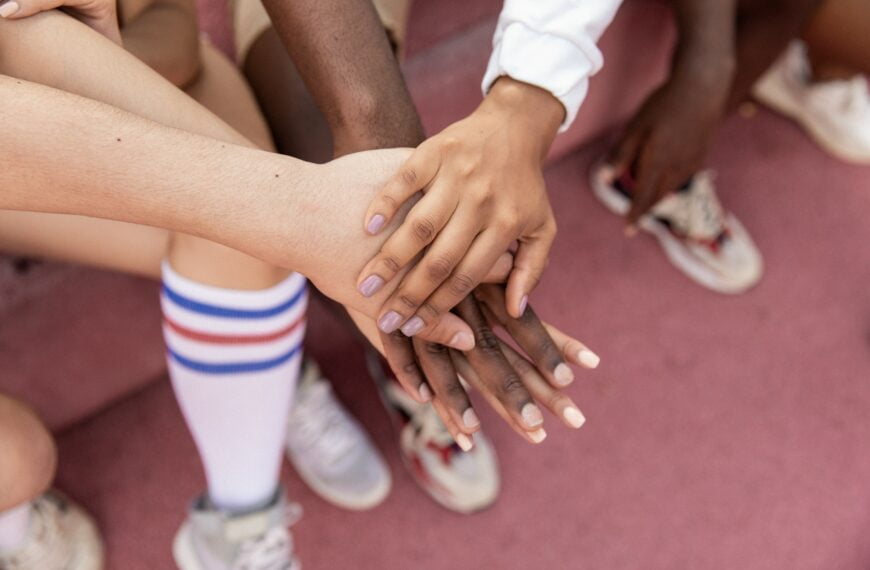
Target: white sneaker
(835,113)
(707,244)
(330,450)
(462,481)
(62,536)
(214,540)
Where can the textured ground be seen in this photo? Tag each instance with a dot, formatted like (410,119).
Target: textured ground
(723,432)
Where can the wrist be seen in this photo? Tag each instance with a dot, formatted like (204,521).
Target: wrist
(538,111)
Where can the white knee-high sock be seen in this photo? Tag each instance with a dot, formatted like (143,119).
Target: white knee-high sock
(14,526)
(234,359)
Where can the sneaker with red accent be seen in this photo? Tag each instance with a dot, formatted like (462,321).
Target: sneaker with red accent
(462,481)
(706,243)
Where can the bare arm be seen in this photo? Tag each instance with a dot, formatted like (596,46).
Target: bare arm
(345,59)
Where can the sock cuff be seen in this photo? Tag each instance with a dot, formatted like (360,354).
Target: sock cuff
(261,302)
(213,330)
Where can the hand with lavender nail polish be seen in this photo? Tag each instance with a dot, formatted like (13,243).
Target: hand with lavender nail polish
(101,15)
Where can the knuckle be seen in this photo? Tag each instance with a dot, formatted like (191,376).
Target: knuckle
(390,263)
(512,386)
(408,301)
(439,269)
(487,341)
(390,202)
(522,366)
(455,392)
(424,229)
(466,169)
(430,310)
(411,369)
(435,349)
(409,176)
(461,284)
(449,143)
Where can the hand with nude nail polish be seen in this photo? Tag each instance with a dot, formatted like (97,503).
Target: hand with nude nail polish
(515,385)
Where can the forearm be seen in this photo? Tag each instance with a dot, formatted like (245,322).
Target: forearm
(345,59)
(706,41)
(165,36)
(103,162)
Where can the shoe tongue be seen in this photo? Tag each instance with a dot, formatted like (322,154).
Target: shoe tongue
(694,212)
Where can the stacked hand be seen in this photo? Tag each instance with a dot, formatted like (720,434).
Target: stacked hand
(665,143)
(483,190)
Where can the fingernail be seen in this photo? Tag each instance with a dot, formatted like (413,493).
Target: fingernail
(563,374)
(588,358)
(413,326)
(538,435)
(464,442)
(532,415)
(574,417)
(425,392)
(371,285)
(470,419)
(630,230)
(461,341)
(375,224)
(524,302)
(390,322)
(10,8)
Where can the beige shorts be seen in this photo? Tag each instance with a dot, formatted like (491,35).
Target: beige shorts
(250,20)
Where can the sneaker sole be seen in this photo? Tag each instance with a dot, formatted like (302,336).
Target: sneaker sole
(678,255)
(359,503)
(772,91)
(182,551)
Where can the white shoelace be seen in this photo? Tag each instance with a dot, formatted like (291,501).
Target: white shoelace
(320,425)
(274,549)
(695,212)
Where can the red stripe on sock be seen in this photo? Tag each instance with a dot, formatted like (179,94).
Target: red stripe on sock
(233,339)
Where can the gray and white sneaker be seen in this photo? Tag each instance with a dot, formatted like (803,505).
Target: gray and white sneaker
(330,450)
(706,243)
(62,536)
(211,539)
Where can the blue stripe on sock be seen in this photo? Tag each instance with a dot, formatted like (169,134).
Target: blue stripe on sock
(216,311)
(234,367)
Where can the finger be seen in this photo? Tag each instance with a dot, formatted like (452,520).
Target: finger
(481,256)
(529,264)
(414,175)
(400,355)
(435,361)
(465,442)
(497,376)
(449,330)
(572,349)
(624,153)
(436,266)
(558,403)
(644,195)
(424,222)
(501,269)
(529,333)
(469,375)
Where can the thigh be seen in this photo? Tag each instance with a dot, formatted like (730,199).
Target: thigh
(107,244)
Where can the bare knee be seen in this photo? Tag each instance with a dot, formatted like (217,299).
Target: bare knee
(28,452)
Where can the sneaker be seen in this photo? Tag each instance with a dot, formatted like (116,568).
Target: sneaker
(211,539)
(707,244)
(62,536)
(835,113)
(462,481)
(330,450)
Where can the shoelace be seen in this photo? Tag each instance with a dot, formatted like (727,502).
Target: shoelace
(274,549)
(431,426)
(695,212)
(319,423)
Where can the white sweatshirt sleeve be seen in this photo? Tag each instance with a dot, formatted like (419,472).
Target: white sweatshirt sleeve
(551,44)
